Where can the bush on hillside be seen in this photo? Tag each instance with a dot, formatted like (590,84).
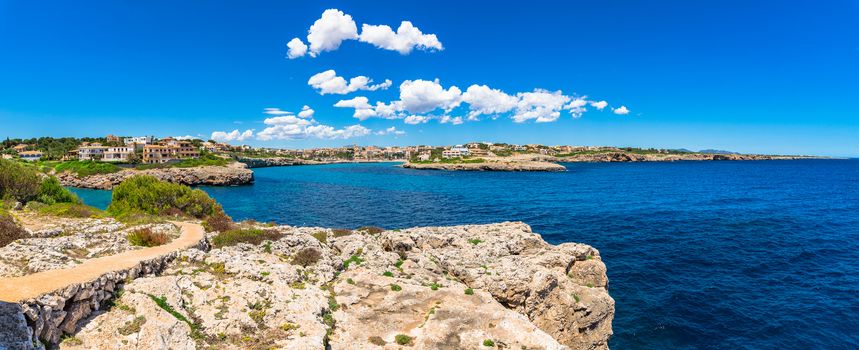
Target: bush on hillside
(251,236)
(52,192)
(148,195)
(18,182)
(9,229)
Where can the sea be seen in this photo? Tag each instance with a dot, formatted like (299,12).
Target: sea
(700,255)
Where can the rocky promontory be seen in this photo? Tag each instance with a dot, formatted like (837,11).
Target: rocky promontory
(657,157)
(229,175)
(462,287)
(489,165)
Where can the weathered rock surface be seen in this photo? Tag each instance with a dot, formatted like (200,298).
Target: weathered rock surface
(67,242)
(361,290)
(230,175)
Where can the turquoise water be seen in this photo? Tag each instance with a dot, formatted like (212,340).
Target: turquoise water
(757,255)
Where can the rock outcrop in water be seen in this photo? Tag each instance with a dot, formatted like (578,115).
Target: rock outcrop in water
(490,165)
(426,288)
(230,175)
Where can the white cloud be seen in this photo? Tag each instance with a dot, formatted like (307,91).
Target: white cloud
(297,48)
(363,110)
(599,105)
(622,110)
(301,126)
(234,135)
(421,96)
(416,119)
(407,38)
(330,30)
(306,112)
(390,131)
(540,105)
(186,137)
(276,111)
(482,99)
(334,27)
(577,107)
(328,82)
(452,120)
(288,120)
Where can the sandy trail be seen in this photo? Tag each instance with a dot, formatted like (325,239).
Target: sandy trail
(15,289)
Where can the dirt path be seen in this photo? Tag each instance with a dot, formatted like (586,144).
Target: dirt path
(16,289)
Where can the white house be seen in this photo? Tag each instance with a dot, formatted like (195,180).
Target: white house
(30,156)
(117,154)
(423,157)
(142,140)
(454,152)
(91,152)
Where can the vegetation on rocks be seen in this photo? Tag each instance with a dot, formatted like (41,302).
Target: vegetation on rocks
(146,238)
(9,229)
(251,236)
(146,195)
(306,257)
(219,222)
(403,339)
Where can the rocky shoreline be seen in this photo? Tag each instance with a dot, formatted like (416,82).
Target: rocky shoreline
(284,161)
(537,162)
(230,175)
(636,157)
(315,288)
(489,165)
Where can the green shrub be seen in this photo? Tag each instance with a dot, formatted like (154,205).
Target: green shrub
(148,195)
(403,339)
(488,342)
(354,259)
(18,182)
(252,236)
(396,287)
(86,167)
(51,192)
(434,286)
(146,238)
(469,291)
(9,229)
(388,274)
(475,241)
(350,281)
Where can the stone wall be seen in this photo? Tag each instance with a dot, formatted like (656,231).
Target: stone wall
(43,321)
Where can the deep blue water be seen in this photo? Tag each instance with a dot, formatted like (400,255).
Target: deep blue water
(700,255)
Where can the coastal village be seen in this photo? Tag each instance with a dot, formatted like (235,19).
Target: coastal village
(151,150)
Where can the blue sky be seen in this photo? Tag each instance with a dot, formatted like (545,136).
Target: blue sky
(765,76)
